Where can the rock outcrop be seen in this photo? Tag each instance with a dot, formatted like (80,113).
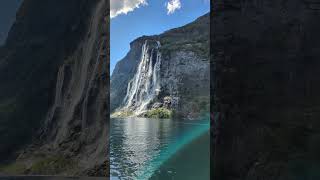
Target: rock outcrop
(182,55)
(265,89)
(55,72)
(8,11)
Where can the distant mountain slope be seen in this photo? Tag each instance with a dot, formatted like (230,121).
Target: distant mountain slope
(183,73)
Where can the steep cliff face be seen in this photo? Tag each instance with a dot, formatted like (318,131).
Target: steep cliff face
(7,17)
(66,101)
(266,84)
(170,70)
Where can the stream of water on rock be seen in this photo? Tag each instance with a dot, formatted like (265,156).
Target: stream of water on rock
(145,84)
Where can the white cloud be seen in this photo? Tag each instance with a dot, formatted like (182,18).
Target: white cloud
(173,5)
(124,6)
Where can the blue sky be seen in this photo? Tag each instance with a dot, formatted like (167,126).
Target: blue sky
(131,19)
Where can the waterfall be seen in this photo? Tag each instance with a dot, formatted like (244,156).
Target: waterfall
(73,89)
(59,85)
(57,101)
(145,84)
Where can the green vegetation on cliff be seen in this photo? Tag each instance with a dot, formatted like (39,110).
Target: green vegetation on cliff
(191,37)
(45,165)
(51,165)
(15,168)
(162,113)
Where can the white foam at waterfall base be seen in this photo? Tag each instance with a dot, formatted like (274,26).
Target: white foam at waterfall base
(145,84)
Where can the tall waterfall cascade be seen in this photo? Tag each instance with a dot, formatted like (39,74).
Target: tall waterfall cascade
(145,85)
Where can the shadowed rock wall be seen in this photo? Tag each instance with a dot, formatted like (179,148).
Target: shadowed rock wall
(55,72)
(265,86)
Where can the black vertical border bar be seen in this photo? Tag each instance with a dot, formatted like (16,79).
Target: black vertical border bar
(108,86)
(211,92)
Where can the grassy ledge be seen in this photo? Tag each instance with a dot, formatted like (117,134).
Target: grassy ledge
(162,113)
(44,166)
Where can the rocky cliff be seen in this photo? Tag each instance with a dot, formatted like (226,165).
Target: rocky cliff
(8,11)
(54,72)
(266,84)
(170,71)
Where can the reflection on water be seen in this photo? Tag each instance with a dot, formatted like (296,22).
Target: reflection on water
(140,147)
(192,162)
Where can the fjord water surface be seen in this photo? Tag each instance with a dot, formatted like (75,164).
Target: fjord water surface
(142,148)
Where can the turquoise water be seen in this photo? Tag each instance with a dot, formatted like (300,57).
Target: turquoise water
(142,148)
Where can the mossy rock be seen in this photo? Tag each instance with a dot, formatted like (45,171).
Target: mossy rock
(51,165)
(162,113)
(121,114)
(15,168)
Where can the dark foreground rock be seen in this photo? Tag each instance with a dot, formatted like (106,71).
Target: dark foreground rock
(266,84)
(53,98)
